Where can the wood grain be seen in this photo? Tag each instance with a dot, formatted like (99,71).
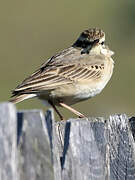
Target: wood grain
(34,146)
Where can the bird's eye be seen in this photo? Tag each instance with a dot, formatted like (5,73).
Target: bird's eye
(102,43)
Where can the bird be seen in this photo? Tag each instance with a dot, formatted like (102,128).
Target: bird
(72,75)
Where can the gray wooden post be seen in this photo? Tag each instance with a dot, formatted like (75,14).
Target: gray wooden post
(97,149)
(34,146)
(8,139)
(34,152)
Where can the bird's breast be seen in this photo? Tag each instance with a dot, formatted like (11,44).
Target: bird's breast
(85,91)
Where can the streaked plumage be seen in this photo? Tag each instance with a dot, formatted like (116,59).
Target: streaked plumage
(75,74)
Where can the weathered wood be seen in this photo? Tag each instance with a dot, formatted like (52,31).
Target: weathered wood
(8,136)
(96,149)
(36,147)
(34,152)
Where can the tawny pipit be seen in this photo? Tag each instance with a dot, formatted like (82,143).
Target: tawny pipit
(73,75)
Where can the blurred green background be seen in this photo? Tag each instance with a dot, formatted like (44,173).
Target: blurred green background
(31,31)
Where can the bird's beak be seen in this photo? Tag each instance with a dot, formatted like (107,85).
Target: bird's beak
(107,52)
(111,53)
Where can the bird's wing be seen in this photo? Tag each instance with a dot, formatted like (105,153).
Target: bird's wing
(54,74)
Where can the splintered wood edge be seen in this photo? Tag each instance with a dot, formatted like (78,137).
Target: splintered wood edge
(116,119)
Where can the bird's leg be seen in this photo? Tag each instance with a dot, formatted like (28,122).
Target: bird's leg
(56,110)
(72,110)
(58,127)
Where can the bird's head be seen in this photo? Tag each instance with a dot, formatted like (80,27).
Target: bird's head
(92,40)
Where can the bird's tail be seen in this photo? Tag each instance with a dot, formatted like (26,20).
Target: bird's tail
(21,97)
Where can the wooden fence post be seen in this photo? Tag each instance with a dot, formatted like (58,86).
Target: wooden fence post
(97,149)
(8,137)
(34,146)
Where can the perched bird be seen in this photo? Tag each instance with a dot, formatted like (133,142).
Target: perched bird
(73,75)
